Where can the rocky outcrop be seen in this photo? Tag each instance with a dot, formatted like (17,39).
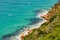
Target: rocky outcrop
(48,31)
(54,11)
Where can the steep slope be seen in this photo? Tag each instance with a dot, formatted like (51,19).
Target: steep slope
(49,30)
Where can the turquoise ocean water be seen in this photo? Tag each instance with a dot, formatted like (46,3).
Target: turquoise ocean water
(16,14)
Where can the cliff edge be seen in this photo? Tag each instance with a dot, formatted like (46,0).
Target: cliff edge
(49,30)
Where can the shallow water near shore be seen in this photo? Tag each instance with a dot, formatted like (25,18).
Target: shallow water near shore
(16,15)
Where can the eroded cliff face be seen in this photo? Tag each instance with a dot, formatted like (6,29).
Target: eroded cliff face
(49,30)
(54,11)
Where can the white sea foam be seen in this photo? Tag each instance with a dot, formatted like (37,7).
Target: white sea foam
(25,32)
(42,13)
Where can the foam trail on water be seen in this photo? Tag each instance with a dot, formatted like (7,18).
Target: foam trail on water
(36,25)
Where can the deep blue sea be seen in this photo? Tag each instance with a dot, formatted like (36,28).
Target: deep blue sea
(16,14)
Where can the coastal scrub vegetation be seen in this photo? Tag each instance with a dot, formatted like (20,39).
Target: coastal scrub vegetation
(49,30)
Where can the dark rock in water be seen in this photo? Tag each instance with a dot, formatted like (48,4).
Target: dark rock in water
(37,11)
(7,36)
(17,31)
(35,20)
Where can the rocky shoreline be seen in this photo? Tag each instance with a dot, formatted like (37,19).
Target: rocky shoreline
(30,30)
